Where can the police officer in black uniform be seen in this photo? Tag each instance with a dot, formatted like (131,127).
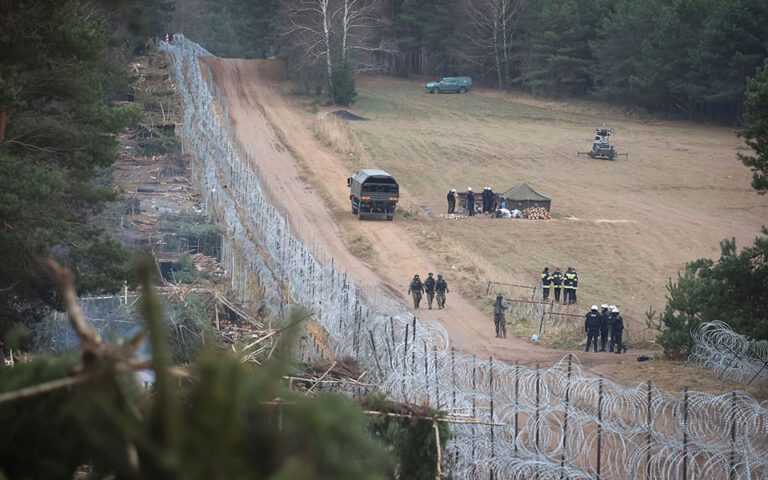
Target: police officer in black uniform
(546,281)
(470,202)
(592,327)
(441,287)
(416,289)
(617,324)
(429,288)
(605,319)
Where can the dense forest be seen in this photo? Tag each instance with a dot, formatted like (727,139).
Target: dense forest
(690,58)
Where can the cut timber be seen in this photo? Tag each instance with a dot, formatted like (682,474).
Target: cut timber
(3,124)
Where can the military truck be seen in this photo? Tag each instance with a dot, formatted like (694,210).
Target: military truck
(373,194)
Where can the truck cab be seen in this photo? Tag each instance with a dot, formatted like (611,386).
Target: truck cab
(373,194)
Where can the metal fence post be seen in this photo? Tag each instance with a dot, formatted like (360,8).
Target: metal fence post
(599,426)
(565,420)
(492,473)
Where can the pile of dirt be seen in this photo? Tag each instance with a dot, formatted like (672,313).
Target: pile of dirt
(348,116)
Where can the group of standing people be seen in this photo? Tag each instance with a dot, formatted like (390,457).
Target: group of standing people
(607,325)
(431,287)
(488,201)
(567,283)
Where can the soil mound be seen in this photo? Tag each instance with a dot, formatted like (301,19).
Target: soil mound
(348,116)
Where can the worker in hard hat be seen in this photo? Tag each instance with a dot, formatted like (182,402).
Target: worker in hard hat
(605,318)
(451,200)
(557,283)
(470,202)
(441,288)
(429,289)
(416,289)
(546,282)
(592,327)
(499,318)
(617,327)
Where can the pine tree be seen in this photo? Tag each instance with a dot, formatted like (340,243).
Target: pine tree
(755,131)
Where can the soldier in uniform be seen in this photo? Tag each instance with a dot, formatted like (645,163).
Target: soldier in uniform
(441,287)
(605,320)
(617,324)
(592,327)
(470,202)
(546,281)
(429,288)
(499,319)
(557,282)
(416,289)
(452,200)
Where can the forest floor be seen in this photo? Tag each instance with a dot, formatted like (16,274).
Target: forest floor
(626,226)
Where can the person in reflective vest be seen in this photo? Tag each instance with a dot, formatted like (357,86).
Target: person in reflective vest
(557,283)
(546,282)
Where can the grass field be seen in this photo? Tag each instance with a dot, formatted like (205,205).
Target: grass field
(626,226)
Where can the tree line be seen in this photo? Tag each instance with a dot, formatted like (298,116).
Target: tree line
(685,57)
(63,71)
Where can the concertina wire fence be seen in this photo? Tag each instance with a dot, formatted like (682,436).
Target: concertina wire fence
(731,355)
(545,423)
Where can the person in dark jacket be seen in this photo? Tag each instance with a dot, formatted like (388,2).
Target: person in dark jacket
(592,327)
(499,319)
(557,283)
(441,288)
(617,324)
(546,282)
(451,200)
(416,289)
(429,289)
(470,202)
(605,319)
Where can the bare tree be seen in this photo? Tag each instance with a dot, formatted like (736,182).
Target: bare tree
(331,31)
(491,26)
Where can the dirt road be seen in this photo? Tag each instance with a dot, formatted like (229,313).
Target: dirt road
(287,152)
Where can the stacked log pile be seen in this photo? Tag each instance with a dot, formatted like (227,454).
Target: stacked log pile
(536,213)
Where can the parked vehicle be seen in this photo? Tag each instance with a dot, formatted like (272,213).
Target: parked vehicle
(450,85)
(373,194)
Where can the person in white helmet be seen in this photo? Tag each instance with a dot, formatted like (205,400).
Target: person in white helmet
(605,318)
(592,327)
(470,202)
(617,330)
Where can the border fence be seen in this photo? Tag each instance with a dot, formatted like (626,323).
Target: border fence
(523,421)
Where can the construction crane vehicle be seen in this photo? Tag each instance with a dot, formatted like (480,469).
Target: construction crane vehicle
(601,146)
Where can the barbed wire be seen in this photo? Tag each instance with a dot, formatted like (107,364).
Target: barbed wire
(731,355)
(552,422)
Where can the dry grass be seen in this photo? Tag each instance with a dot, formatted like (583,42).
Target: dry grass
(627,226)
(336,134)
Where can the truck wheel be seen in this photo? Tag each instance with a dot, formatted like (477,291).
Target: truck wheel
(434,90)
(462,90)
